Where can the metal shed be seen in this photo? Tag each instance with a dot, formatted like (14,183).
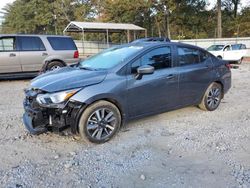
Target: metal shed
(99,27)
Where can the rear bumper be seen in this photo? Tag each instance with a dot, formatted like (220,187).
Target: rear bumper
(227,82)
(72,61)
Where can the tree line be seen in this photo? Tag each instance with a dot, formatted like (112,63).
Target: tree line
(176,19)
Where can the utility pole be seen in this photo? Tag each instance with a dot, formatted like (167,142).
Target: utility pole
(219,27)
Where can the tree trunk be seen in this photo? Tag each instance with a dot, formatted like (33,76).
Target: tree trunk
(236,4)
(168,26)
(219,27)
(158,27)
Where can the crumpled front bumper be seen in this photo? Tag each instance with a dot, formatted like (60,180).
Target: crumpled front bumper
(39,119)
(28,122)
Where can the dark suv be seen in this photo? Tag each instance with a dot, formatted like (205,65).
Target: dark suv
(123,83)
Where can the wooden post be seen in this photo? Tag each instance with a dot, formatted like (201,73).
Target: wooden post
(128,35)
(83,38)
(107,32)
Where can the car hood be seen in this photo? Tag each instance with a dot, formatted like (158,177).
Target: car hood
(67,78)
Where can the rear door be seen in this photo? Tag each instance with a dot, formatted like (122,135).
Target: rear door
(9,55)
(154,92)
(32,53)
(196,72)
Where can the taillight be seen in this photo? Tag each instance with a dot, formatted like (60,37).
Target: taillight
(76,54)
(229,66)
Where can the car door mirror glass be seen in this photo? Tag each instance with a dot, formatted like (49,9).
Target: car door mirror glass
(145,69)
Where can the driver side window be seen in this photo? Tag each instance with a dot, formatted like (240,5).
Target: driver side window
(159,58)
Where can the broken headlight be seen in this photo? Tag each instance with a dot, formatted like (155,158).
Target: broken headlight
(54,99)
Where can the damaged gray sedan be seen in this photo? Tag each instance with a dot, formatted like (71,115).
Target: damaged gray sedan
(97,96)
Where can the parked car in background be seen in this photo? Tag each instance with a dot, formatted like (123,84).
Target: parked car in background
(230,52)
(123,83)
(27,54)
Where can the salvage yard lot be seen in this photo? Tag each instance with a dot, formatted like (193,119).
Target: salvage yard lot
(182,148)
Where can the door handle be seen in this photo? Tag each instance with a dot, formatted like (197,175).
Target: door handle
(171,76)
(44,54)
(12,55)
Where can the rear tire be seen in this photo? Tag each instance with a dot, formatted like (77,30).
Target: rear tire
(54,65)
(99,122)
(212,97)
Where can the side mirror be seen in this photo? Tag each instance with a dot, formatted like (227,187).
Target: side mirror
(145,69)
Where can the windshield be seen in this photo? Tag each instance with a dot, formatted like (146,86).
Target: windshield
(109,58)
(215,48)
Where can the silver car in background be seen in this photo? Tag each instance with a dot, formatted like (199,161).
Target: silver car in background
(27,54)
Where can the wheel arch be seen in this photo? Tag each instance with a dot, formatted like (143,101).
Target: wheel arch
(88,103)
(56,59)
(222,86)
(47,62)
(111,100)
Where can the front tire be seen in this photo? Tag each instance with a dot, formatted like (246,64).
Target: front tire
(212,97)
(99,122)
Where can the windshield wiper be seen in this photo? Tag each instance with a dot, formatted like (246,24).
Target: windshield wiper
(87,68)
(91,69)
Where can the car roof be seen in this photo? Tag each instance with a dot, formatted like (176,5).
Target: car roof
(150,44)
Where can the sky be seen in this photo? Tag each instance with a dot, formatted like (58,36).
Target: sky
(4,2)
(243,3)
(212,2)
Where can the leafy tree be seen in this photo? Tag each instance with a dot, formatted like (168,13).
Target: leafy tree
(176,19)
(39,16)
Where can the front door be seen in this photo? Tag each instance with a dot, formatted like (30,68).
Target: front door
(9,56)
(154,92)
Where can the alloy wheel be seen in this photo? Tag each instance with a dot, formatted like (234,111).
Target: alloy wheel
(101,123)
(213,97)
(55,67)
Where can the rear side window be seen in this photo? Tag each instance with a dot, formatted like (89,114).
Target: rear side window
(243,46)
(7,44)
(238,46)
(31,44)
(62,43)
(188,56)
(204,56)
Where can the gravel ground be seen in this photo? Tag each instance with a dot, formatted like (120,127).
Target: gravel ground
(182,148)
